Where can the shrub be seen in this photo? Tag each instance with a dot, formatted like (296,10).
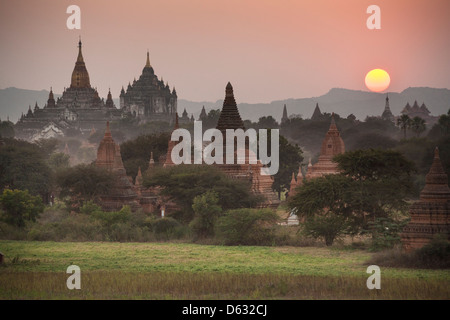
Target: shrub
(206,212)
(167,228)
(434,255)
(385,233)
(19,206)
(247,227)
(328,227)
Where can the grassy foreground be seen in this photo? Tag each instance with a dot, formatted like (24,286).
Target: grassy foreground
(37,270)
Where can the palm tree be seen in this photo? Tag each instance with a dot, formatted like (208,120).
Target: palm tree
(418,125)
(404,122)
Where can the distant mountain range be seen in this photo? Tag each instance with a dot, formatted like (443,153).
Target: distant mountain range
(14,101)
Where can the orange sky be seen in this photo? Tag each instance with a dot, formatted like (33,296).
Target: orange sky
(268,49)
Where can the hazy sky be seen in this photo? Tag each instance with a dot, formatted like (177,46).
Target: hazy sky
(268,49)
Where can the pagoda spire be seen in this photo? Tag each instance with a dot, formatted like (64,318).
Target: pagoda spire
(80,75)
(436,182)
(229,116)
(284,118)
(151,163)
(333,126)
(147,64)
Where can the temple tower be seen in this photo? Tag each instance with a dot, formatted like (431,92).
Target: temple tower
(332,145)
(285,117)
(387,114)
(123,191)
(80,75)
(431,214)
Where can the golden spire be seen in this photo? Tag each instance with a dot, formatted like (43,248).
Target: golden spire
(80,76)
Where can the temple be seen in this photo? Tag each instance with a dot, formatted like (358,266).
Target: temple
(124,192)
(79,108)
(317,114)
(387,114)
(148,98)
(430,215)
(285,117)
(421,112)
(332,145)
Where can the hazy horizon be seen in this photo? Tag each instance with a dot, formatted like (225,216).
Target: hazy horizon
(268,50)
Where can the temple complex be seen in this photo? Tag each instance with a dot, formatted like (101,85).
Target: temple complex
(148,98)
(79,108)
(421,112)
(431,214)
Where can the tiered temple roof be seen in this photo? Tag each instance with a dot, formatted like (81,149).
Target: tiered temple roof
(261,184)
(123,192)
(431,214)
(387,114)
(332,145)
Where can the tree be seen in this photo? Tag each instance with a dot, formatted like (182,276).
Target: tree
(7,129)
(372,184)
(206,212)
(58,160)
(267,123)
(19,206)
(136,153)
(444,122)
(84,182)
(211,120)
(182,183)
(247,226)
(404,122)
(290,161)
(418,125)
(329,227)
(24,166)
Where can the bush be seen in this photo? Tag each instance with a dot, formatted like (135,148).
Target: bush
(247,227)
(19,206)
(385,233)
(167,228)
(206,212)
(434,255)
(328,227)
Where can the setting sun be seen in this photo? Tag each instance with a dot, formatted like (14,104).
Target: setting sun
(377,80)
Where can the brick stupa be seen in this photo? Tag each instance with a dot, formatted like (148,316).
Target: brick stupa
(260,184)
(332,145)
(123,192)
(429,215)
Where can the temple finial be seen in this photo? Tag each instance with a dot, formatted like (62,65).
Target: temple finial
(147,64)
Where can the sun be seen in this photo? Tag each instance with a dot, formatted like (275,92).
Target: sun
(377,80)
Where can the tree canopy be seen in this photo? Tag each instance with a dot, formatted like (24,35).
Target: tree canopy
(182,183)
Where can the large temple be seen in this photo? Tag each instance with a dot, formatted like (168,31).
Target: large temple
(430,215)
(148,98)
(79,108)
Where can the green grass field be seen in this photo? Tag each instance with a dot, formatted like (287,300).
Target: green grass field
(37,270)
